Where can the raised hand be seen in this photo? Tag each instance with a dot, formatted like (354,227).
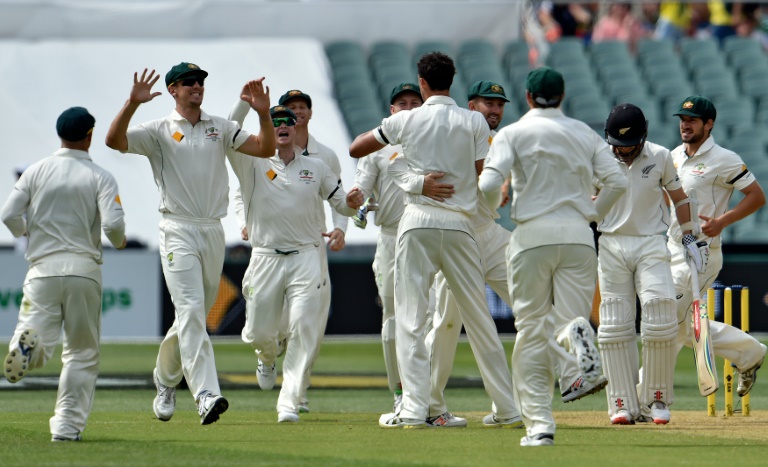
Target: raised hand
(257,96)
(142,88)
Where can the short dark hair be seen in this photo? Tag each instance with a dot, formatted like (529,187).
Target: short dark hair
(437,69)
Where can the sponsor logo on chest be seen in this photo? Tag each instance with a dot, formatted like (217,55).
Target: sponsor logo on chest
(647,170)
(306,176)
(212,134)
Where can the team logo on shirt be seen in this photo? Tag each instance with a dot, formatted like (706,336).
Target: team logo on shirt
(212,134)
(306,176)
(698,170)
(647,170)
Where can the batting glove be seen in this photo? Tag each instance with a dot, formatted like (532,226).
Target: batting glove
(696,254)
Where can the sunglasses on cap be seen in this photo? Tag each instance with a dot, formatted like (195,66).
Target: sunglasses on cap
(192,80)
(280,120)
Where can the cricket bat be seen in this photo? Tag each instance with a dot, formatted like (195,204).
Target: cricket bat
(703,353)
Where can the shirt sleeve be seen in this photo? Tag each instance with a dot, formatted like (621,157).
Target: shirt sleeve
(405,179)
(234,135)
(735,173)
(111,209)
(240,208)
(608,173)
(501,155)
(669,178)
(239,112)
(12,212)
(482,136)
(391,129)
(366,175)
(332,191)
(142,139)
(340,221)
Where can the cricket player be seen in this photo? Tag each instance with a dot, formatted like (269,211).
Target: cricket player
(633,261)
(186,151)
(281,196)
(709,173)
(68,200)
(374,181)
(439,236)
(489,99)
(300,104)
(551,160)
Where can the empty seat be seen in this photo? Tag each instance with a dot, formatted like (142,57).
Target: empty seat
(431,46)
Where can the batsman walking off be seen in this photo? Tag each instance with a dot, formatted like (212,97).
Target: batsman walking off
(186,151)
(633,261)
(551,160)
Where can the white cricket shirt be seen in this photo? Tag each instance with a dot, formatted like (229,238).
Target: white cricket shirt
(551,160)
(68,199)
(188,162)
(372,178)
(641,210)
(710,176)
(281,201)
(324,153)
(439,136)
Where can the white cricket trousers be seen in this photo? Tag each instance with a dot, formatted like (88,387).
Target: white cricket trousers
(550,286)
(325,310)
(728,342)
(75,303)
(384,273)
(420,254)
(192,255)
(275,284)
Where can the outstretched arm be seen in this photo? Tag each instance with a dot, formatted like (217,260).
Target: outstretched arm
(263,144)
(140,93)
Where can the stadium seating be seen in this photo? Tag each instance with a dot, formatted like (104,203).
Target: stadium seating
(597,77)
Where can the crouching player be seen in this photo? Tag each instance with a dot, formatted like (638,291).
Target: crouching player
(281,196)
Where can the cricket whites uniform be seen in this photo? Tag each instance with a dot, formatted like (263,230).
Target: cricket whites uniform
(551,160)
(710,176)
(285,274)
(67,199)
(189,169)
(373,179)
(439,236)
(319,151)
(633,261)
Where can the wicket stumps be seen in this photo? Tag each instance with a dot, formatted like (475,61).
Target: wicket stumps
(717,296)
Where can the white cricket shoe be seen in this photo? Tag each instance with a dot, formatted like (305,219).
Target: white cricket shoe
(393,420)
(267,375)
(583,347)
(541,439)
(210,406)
(446,420)
(304,406)
(492,421)
(582,388)
(747,379)
(64,439)
(287,417)
(17,361)
(622,417)
(164,404)
(659,413)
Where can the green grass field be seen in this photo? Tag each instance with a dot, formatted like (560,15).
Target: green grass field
(342,428)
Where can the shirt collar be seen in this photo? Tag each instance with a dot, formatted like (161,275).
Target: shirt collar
(311,145)
(444,100)
(177,116)
(708,144)
(550,112)
(73,153)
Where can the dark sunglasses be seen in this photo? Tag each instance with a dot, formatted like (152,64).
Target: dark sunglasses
(191,81)
(280,120)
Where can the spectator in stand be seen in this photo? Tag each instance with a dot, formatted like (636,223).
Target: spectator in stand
(619,24)
(674,21)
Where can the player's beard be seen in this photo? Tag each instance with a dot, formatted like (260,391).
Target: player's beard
(695,137)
